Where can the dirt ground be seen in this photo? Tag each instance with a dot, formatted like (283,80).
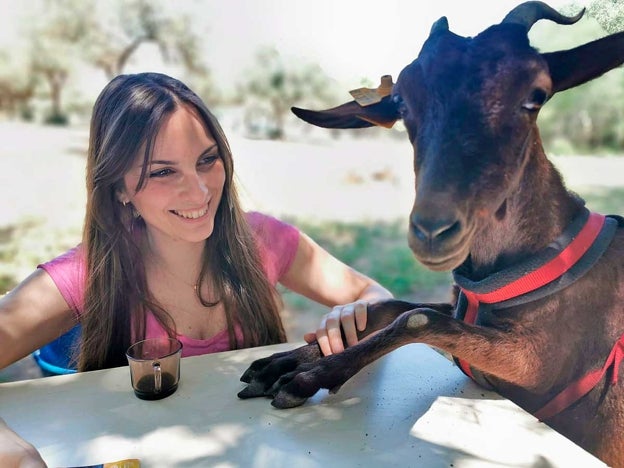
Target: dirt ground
(322,179)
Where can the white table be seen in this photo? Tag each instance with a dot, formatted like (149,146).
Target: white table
(410,408)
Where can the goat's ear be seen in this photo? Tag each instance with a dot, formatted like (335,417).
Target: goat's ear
(570,68)
(352,115)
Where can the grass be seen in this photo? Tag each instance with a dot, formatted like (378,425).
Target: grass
(28,243)
(606,200)
(378,249)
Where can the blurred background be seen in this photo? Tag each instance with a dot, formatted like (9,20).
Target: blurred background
(251,61)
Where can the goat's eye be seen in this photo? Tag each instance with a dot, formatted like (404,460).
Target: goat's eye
(536,100)
(400,105)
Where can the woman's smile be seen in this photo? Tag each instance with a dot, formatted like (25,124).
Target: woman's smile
(191,214)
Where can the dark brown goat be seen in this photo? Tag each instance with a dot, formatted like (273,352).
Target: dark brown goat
(490,206)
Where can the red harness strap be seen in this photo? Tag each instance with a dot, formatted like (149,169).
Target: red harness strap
(535,280)
(582,386)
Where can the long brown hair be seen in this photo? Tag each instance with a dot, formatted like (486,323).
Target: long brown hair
(126,119)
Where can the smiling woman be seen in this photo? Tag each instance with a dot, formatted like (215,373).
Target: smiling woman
(167,249)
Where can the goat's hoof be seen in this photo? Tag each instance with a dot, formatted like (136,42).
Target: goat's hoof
(285,400)
(335,389)
(253,390)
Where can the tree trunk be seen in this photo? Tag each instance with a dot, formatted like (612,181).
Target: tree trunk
(56,80)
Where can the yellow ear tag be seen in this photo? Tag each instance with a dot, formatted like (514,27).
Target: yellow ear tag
(369,96)
(129,463)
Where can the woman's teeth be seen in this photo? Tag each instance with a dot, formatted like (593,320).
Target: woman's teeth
(191,214)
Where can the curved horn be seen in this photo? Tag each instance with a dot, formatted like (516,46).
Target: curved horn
(440,25)
(528,13)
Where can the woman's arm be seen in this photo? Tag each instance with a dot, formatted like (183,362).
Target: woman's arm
(31,315)
(323,278)
(15,452)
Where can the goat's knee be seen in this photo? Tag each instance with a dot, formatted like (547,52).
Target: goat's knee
(416,320)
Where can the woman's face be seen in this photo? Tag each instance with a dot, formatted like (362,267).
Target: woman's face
(184,181)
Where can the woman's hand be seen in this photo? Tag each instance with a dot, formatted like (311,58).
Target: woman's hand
(319,276)
(348,318)
(15,452)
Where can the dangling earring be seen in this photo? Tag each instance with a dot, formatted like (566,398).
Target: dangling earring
(135,213)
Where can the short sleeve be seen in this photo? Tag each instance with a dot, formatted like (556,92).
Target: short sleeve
(277,244)
(68,271)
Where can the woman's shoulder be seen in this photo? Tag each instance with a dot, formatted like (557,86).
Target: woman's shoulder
(68,271)
(74,257)
(257,218)
(262,223)
(277,242)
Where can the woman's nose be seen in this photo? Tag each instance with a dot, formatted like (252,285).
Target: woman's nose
(194,188)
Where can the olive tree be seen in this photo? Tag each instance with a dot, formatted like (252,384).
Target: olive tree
(117,29)
(54,47)
(273,85)
(17,83)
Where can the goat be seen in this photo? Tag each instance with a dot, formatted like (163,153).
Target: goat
(539,280)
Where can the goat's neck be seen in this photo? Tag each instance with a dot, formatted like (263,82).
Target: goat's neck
(537,211)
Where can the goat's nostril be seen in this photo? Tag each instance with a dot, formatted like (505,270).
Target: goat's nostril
(439,229)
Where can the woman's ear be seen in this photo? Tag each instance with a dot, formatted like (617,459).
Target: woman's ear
(122,196)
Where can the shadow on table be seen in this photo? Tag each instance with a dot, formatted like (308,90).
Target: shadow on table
(411,405)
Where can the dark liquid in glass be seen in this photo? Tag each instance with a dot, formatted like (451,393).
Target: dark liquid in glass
(146,390)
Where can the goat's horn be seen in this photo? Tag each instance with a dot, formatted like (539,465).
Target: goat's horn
(528,13)
(440,25)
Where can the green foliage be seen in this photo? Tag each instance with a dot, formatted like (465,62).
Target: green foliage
(54,50)
(606,200)
(17,83)
(276,84)
(378,250)
(590,117)
(57,119)
(117,28)
(74,33)
(28,243)
(7,282)
(608,13)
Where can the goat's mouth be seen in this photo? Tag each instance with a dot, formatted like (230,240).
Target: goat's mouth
(442,258)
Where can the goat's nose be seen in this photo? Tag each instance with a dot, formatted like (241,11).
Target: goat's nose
(434,228)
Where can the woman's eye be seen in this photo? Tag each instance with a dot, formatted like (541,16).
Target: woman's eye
(161,173)
(208,160)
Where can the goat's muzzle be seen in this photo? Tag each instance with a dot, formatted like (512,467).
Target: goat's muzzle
(439,240)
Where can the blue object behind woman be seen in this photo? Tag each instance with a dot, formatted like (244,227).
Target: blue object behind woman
(56,357)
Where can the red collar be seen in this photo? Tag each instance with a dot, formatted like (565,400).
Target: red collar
(579,248)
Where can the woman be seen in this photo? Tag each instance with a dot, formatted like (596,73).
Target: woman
(16,452)
(167,248)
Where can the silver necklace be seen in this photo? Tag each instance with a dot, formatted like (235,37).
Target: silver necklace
(164,268)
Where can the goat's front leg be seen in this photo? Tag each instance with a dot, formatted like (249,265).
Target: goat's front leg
(263,374)
(331,372)
(489,349)
(290,378)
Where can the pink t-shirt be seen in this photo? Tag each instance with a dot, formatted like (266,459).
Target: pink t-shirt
(277,244)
